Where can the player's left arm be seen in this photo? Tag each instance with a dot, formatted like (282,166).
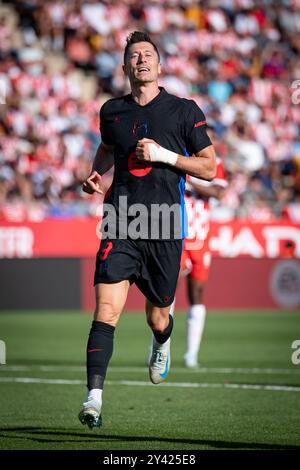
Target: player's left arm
(201,165)
(103,162)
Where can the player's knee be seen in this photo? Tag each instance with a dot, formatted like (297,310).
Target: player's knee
(196,291)
(107,313)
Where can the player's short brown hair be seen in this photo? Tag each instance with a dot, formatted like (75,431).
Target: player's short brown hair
(138,36)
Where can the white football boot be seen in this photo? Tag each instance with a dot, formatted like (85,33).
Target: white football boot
(91,414)
(160,361)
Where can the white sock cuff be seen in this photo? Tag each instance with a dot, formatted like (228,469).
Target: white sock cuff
(94,394)
(161,346)
(197,311)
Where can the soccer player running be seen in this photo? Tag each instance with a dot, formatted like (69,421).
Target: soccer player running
(196,255)
(146,135)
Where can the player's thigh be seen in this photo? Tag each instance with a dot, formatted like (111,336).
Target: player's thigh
(201,261)
(110,301)
(159,272)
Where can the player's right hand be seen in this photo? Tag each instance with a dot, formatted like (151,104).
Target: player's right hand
(93,184)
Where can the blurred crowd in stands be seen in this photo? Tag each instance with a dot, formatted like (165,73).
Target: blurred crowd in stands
(60,60)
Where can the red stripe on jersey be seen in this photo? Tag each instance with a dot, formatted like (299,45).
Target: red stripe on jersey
(200,123)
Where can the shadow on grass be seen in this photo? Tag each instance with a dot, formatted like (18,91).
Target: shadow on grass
(36,434)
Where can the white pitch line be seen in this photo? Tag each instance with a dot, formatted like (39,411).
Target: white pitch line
(133,383)
(38,380)
(200,370)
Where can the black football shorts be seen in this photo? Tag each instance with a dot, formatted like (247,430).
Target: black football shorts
(152,265)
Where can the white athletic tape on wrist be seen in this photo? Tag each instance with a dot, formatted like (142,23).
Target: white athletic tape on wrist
(160,154)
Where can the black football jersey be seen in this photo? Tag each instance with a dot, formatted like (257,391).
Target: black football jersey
(176,124)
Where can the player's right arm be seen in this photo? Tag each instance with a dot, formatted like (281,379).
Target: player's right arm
(103,161)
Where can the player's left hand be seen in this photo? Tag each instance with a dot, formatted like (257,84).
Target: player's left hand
(142,149)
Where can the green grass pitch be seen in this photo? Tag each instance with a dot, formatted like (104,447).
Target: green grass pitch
(245,395)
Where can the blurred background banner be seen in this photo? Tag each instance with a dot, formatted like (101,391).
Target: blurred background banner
(60,61)
(262,259)
(80,237)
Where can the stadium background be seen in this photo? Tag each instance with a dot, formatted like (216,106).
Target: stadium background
(239,60)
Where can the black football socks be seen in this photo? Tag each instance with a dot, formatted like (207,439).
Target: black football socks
(99,352)
(164,335)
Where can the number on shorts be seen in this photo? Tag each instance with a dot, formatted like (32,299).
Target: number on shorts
(105,251)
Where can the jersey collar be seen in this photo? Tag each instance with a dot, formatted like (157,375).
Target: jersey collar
(155,100)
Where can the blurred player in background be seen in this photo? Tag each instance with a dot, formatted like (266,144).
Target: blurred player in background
(196,256)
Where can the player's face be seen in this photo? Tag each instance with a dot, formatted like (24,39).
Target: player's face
(142,63)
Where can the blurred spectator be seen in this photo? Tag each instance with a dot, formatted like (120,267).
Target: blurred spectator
(59,61)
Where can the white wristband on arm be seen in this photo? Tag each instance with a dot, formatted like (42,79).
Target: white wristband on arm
(160,154)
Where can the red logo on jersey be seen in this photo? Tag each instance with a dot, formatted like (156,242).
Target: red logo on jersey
(200,123)
(138,167)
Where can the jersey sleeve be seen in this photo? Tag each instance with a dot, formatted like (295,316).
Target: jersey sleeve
(106,136)
(195,129)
